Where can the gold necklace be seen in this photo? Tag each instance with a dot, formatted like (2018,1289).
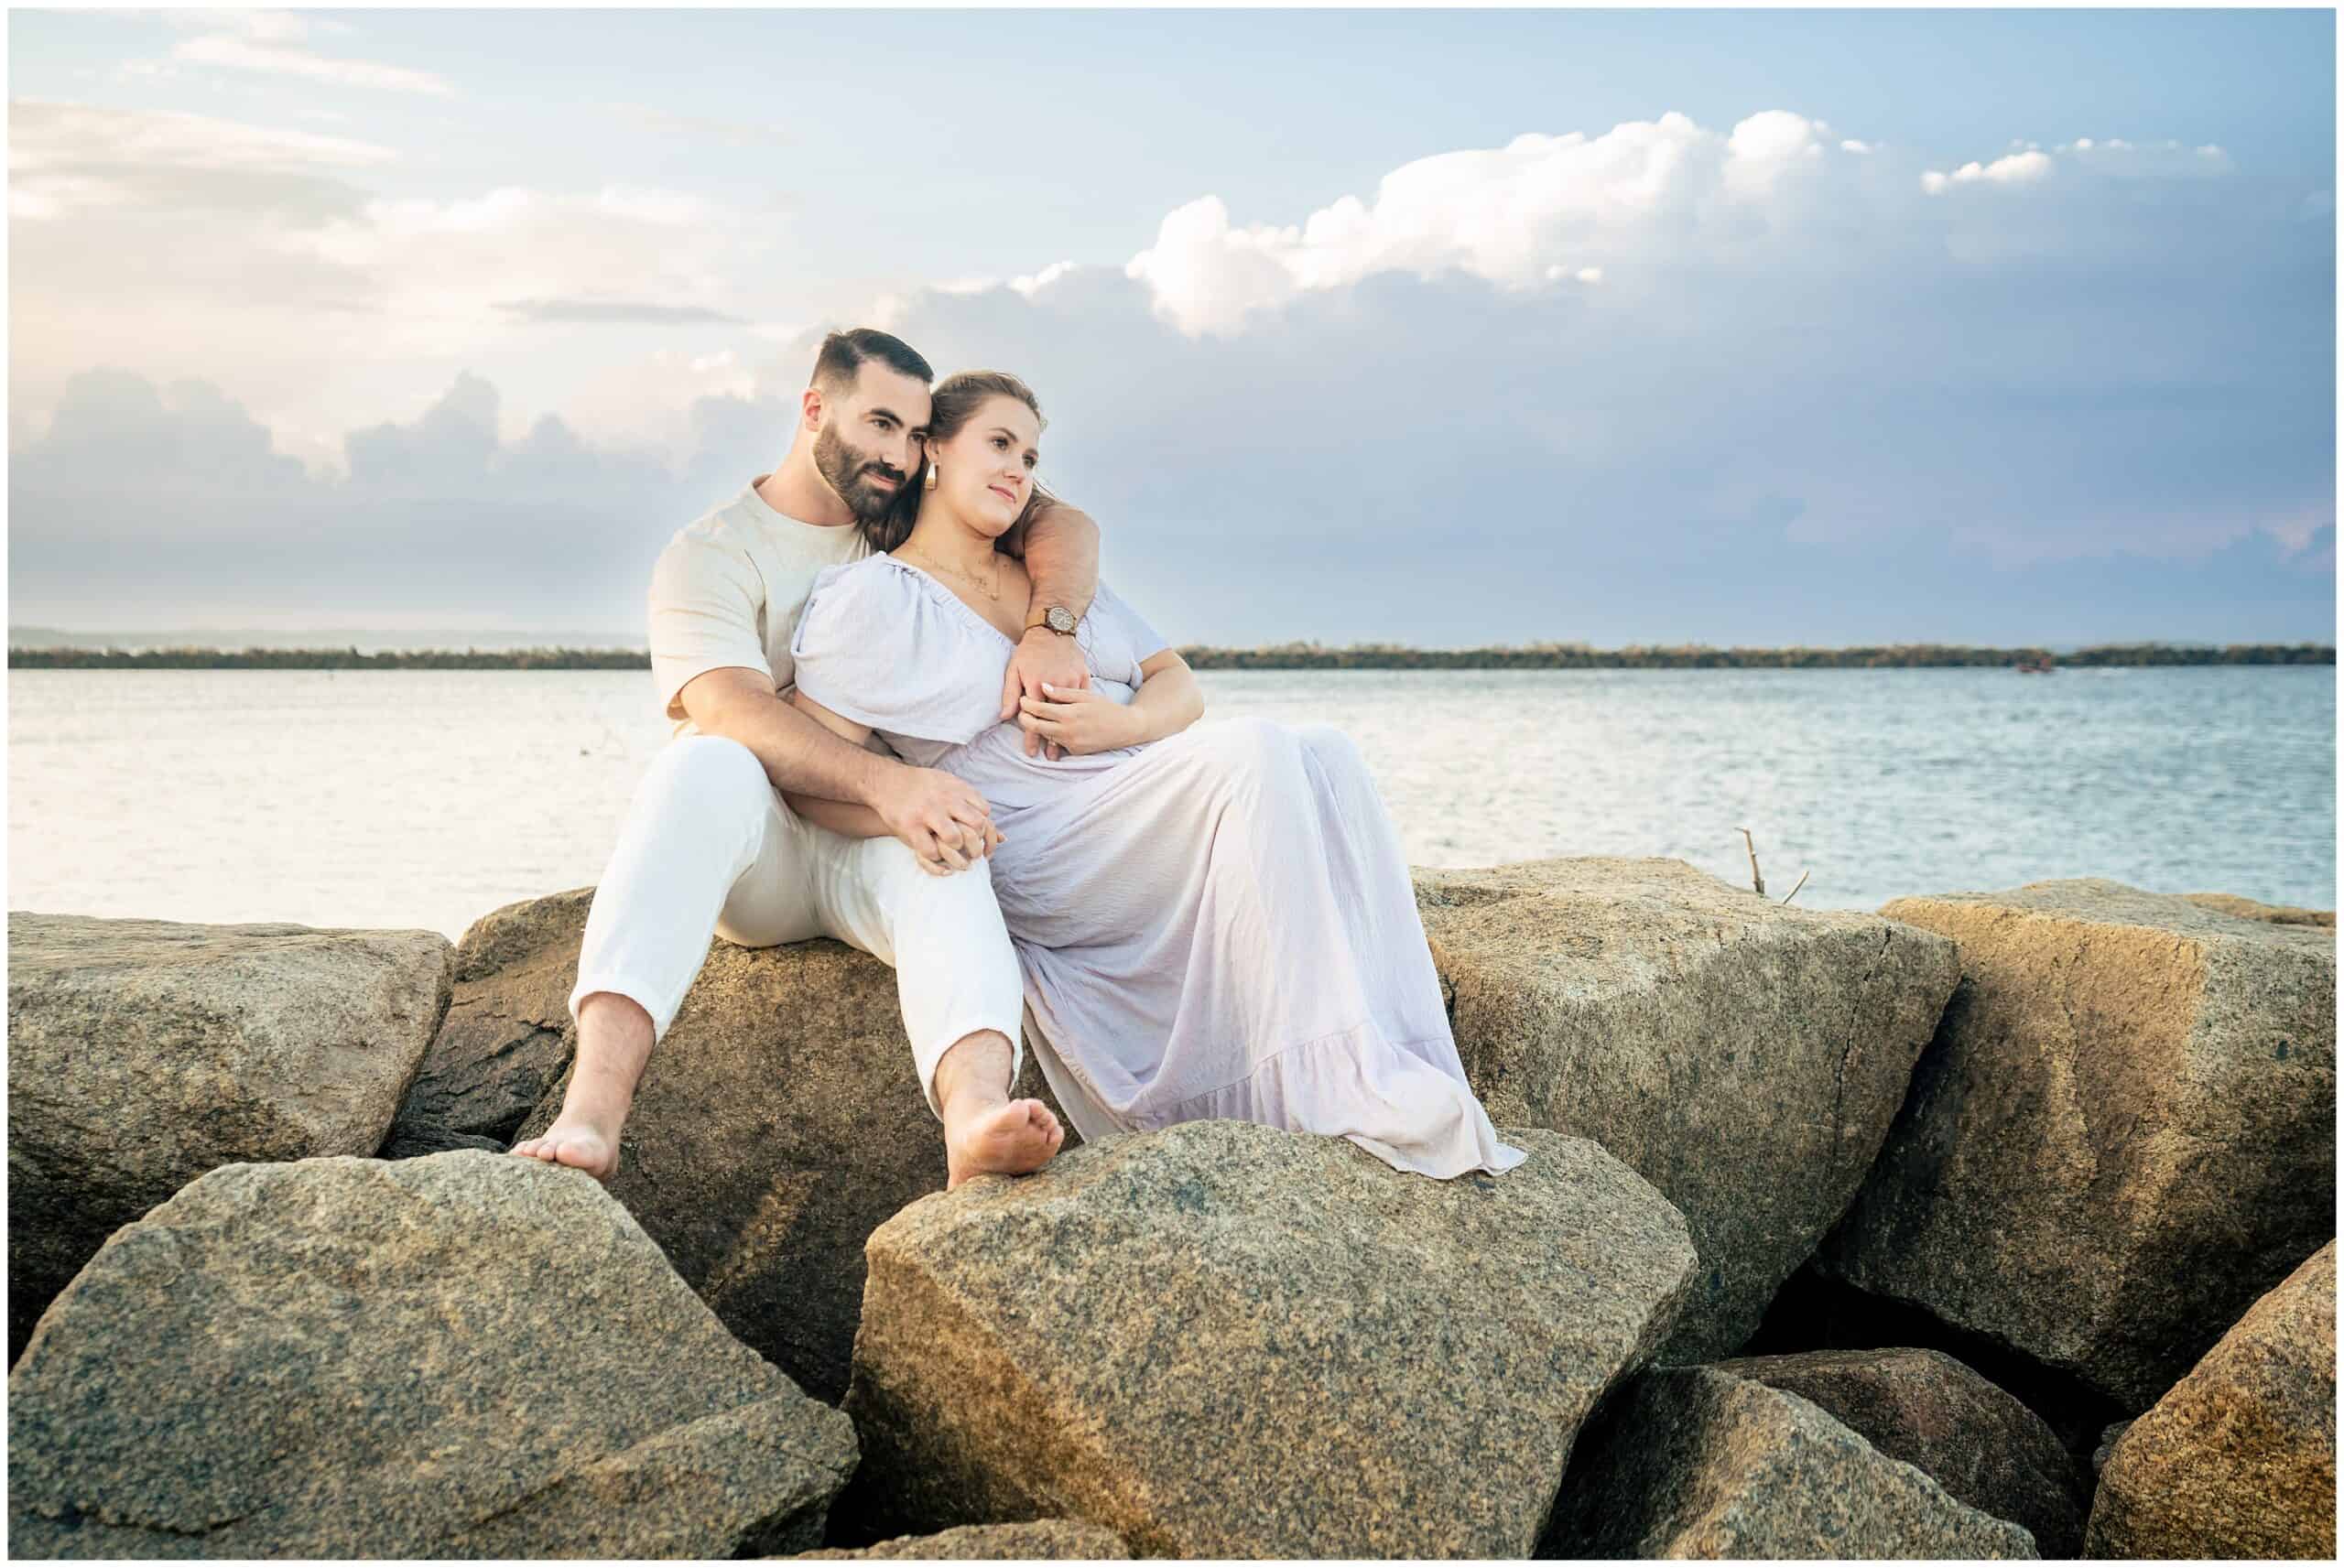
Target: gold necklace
(991,589)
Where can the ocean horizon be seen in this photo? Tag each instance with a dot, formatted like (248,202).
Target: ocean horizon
(427,798)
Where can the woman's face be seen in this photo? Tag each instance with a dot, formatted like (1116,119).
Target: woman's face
(986,471)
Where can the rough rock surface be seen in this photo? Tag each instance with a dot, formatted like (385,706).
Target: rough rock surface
(1744,1057)
(1044,1541)
(1698,1462)
(144,1052)
(2253,909)
(2239,1458)
(507,1037)
(2107,1436)
(465,1355)
(2123,1133)
(1225,1340)
(1940,1416)
(778,1125)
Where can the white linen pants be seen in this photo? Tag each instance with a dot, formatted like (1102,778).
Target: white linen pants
(710,849)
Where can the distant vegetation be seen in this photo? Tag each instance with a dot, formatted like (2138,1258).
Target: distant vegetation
(1283,657)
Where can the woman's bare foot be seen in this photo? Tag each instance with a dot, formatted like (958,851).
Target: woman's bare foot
(578,1143)
(1011,1138)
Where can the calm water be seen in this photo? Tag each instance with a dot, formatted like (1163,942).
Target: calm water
(409,798)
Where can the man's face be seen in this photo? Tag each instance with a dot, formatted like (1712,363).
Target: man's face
(868,441)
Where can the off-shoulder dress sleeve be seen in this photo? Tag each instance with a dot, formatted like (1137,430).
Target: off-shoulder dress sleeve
(1128,626)
(873,646)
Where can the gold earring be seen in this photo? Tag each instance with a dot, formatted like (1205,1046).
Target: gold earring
(931,476)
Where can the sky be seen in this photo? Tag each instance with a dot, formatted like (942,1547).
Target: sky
(1445,329)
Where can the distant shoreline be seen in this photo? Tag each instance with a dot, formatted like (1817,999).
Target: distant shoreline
(1287,656)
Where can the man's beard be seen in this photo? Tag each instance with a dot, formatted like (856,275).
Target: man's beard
(849,472)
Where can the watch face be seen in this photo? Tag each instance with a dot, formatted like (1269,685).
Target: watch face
(1060,618)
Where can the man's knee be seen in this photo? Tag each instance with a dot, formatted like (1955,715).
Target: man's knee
(896,871)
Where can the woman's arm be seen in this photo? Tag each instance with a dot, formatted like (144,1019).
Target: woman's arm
(1086,721)
(1168,699)
(849,820)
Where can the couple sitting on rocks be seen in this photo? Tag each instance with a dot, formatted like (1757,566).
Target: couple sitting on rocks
(1206,922)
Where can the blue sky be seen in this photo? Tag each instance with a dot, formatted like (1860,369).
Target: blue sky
(1829,327)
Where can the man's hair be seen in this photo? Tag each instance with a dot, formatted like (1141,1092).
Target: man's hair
(843,354)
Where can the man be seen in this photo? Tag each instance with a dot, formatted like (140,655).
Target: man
(709,846)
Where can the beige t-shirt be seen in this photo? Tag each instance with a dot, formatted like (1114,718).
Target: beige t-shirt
(728,589)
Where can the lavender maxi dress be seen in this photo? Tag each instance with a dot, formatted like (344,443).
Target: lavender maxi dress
(1219,924)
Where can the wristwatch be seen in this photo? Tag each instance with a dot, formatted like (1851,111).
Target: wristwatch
(1058,618)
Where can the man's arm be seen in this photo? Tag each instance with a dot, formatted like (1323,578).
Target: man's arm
(922,806)
(1060,544)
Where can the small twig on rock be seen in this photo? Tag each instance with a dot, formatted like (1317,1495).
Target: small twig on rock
(1757,881)
(1793,893)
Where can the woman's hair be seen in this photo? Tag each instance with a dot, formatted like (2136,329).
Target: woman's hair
(953,404)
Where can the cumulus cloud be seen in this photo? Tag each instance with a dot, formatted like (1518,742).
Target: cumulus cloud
(1574,385)
(1540,208)
(335,295)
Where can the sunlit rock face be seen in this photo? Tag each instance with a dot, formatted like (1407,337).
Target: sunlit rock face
(2239,1458)
(462,1356)
(1226,1340)
(1744,1056)
(2123,1133)
(144,1052)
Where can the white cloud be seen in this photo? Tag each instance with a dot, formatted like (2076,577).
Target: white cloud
(1792,349)
(2014,168)
(1508,215)
(2112,158)
(244,53)
(63,157)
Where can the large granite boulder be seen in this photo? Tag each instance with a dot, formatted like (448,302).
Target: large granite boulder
(2254,909)
(2123,1133)
(465,1355)
(1744,1057)
(1926,1407)
(507,1037)
(1039,1541)
(142,1054)
(776,1126)
(1221,1339)
(1700,1461)
(2239,1458)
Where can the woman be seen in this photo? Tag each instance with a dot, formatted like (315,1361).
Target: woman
(1213,922)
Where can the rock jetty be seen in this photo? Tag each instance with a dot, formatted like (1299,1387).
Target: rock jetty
(279,1292)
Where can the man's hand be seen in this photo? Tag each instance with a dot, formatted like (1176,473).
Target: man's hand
(1079,721)
(945,823)
(1044,658)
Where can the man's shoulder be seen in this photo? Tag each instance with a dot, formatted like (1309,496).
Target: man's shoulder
(727,524)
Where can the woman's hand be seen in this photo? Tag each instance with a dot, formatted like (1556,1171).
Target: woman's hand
(964,849)
(1080,720)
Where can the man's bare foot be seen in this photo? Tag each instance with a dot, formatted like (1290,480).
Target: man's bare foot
(1009,1139)
(579,1144)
